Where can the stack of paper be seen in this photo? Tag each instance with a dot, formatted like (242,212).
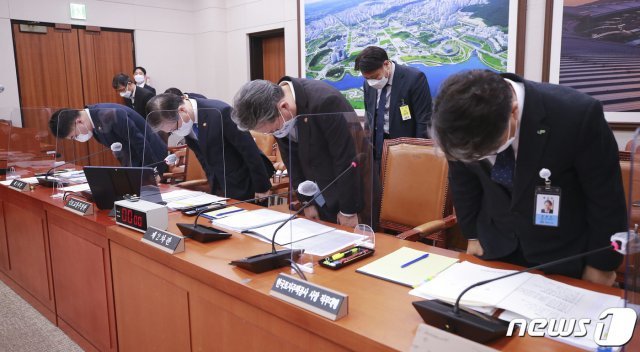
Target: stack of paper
(251,220)
(294,231)
(390,267)
(528,295)
(182,199)
(327,243)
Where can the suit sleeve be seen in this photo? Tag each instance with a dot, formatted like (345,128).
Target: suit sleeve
(342,151)
(246,146)
(598,170)
(142,147)
(466,191)
(421,99)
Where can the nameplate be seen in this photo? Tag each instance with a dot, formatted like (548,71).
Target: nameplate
(79,206)
(314,298)
(164,240)
(19,185)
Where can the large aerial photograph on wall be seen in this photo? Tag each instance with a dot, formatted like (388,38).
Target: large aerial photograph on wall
(600,51)
(439,37)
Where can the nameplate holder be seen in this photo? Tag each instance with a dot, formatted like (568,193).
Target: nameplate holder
(18,185)
(164,240)
(79,206)
(314,298)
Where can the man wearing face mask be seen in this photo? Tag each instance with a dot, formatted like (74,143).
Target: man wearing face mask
(320,146)
(132,95)
(142,81)
(234,165)
(499,132)
(109,123)
(397,98)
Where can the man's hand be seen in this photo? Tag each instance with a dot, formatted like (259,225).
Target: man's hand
(474,248)
(350,221)
(597,276)
(311,212)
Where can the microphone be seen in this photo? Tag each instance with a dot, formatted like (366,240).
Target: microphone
(483,328)
(169,160)
(277,259)
(48,181)
(204,234)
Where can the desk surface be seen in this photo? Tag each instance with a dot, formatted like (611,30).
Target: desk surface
(380,317)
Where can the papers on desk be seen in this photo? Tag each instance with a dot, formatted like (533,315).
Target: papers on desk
(528,295)
(314,238)
(182,199)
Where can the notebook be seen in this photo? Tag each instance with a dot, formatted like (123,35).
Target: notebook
(390,268)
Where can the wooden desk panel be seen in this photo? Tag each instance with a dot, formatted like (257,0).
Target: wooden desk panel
(230,300)
(4,251)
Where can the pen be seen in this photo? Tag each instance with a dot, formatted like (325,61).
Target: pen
(344,254)
(424,256)
(228,212)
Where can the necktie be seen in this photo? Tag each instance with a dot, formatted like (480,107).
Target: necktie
(379,122)
(195,129)
(504,167)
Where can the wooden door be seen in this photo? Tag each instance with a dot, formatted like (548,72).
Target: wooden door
(273,58)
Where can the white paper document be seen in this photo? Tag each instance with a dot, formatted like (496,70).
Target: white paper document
(182,199)
(294,231)
(251,220)
(31,180)
(327,243)
(528,295)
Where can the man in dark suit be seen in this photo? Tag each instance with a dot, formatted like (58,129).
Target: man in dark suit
(320,146)
(499,132)
(109,123)
(132,95)
(142,81)
(234,165)
(397,98)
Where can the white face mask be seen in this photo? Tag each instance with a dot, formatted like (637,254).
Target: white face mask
(126,94)
(185,129)
(139,79)
(378,83)
(286,127)
(83,137)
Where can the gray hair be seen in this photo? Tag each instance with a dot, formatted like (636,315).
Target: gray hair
(163,108)
(256,103)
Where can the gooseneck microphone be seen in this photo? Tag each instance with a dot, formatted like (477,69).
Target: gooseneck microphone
(48,181)
(169,160)
(202,233)
(277,259)
(483,328)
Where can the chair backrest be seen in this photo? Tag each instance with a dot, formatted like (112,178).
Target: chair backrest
(415,186)
(194,170)
(267,144)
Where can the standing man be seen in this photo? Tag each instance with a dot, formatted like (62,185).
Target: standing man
(317,147)
(500,133)
(142,81)
(397,98)
(133,96)
(234,165)
(109,123)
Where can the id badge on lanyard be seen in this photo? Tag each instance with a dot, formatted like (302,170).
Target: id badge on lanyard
(546,202)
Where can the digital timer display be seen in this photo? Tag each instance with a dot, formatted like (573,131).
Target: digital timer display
(131,217)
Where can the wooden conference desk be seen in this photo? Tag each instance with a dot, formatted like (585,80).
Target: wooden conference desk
(96,281)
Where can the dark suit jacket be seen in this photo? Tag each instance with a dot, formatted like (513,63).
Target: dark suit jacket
(234,165)
(409,86)
(195,96)
(141,98)
(564,131)
(117,123)
(325,145)
(149,88)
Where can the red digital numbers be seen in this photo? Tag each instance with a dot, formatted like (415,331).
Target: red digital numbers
(127,216)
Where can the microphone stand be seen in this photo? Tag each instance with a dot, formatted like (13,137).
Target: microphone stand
(474,325)
(277,259)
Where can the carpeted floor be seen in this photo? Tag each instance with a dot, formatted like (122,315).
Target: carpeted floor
(23,329)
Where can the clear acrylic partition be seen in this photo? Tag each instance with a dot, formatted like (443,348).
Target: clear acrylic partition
(632,259)
(321,149)
(31,147)
(5,134)
(207,147)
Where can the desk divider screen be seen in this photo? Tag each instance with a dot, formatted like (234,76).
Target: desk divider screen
(632,260)
(331,151)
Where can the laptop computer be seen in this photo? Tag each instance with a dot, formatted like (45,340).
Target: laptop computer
(112,183)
